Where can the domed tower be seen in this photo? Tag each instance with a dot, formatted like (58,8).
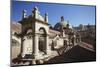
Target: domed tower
(61,26)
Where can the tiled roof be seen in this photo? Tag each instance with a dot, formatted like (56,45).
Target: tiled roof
(16,27)
(54,31)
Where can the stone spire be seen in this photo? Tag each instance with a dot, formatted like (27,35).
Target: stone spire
(67,23)
(35,12)
(46,17)
(24,14)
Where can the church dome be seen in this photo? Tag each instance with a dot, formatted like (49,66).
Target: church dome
(61,24)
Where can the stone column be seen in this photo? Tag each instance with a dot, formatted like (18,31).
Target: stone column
(36,50)
(22,48)
(47,45)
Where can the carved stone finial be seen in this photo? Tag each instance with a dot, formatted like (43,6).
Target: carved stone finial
(62,18)
(46,17)
(46,14)
(35,8)
(35,12)
(24,13)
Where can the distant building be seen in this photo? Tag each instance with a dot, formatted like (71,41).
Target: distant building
(86,29)
(87,33)
(82,27)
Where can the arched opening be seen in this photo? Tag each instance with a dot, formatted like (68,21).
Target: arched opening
(15,42)
(42,40)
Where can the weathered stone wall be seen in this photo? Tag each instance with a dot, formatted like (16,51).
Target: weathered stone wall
(15,50)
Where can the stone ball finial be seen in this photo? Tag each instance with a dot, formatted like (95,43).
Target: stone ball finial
(24,11)
(46,14)
(36,8)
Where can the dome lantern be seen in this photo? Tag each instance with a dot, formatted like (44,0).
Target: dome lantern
(62,18)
